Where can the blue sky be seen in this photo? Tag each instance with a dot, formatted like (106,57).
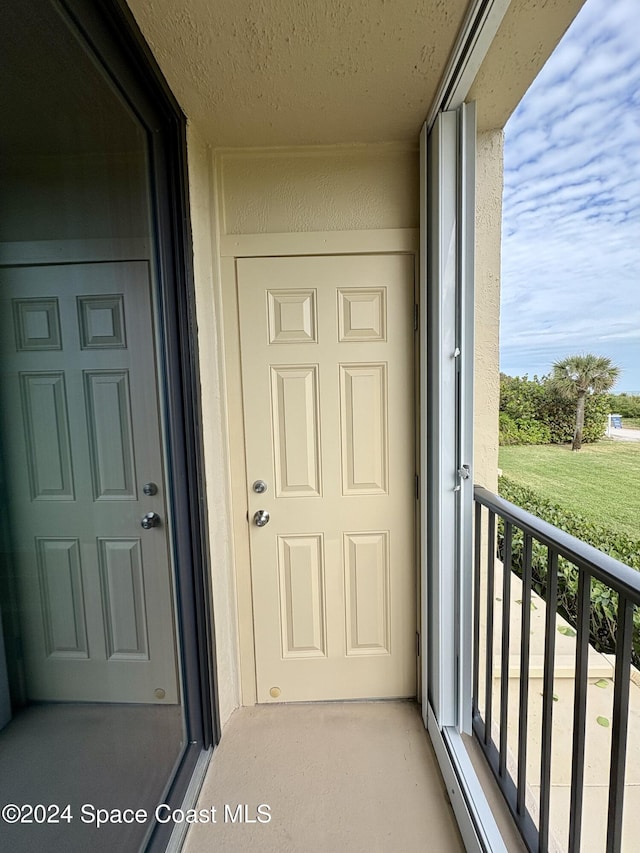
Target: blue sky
(571,216)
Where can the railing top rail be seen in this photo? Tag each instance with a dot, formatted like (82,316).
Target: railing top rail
(620,577)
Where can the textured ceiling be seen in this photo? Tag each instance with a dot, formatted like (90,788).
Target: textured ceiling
(268,72)
(302,72)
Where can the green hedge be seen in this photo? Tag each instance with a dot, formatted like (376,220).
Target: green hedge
(604,602)
(627,405)
(559,414)
(533,412)
(523,431)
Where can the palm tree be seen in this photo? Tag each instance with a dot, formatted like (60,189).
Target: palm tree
(579,375)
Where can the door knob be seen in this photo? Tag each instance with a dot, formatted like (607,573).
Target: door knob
(151,519)
(261,517)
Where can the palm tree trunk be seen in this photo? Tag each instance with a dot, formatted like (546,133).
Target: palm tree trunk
(577,436)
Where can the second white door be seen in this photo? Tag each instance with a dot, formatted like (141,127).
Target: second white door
(328,392)
(80,431)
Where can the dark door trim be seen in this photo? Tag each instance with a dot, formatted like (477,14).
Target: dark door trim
(107,27)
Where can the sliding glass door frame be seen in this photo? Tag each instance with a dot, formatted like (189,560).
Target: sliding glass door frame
(447,158)
(112,37)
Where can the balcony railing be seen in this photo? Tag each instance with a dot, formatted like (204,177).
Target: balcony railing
(493,714)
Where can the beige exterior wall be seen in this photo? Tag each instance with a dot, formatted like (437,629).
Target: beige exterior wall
(352,188)
(274,201)
(528,34)
(345,198)
(489,179)
(209,317)
(298,201)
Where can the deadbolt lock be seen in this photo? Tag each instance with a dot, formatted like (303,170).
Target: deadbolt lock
(260,487)
(150,489)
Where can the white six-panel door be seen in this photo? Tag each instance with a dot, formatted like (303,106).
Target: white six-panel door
(327,372)
(81,438)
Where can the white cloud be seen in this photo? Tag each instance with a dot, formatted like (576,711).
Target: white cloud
(571,224)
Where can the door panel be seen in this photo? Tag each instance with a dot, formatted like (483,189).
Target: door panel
(327,368)
(363,421)
(294,403)
(81,437)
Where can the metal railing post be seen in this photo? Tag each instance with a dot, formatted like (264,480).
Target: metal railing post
(590,564)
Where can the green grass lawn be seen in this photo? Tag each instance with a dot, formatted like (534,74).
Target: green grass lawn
(631,423)
(600,482)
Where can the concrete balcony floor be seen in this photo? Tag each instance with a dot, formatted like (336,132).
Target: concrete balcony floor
(357,776)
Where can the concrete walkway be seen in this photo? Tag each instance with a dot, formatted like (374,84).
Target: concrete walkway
(357,777)
(624,434)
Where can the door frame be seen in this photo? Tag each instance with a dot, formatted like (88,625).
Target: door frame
(232,247)
(112,36)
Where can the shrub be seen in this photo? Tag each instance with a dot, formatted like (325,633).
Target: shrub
(532,411)
(521,397)
(627,405)
(559,414)
(604,602)
(523,431)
